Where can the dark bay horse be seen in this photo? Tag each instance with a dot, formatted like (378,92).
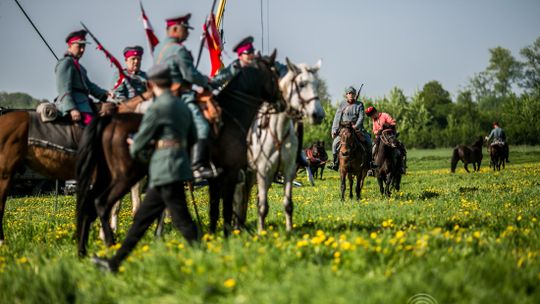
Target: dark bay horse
(106,171)
(353,161)
(317,157)
(468,154)
(497,153)
(389,160)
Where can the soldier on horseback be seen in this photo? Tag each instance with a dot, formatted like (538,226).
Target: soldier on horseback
(72,82)
(136,85)
(351,112)
(499,138)
(381,121)
(172,52)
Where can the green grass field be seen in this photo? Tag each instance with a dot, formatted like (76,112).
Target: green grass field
(452,238)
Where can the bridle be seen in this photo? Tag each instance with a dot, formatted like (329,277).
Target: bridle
(296,114)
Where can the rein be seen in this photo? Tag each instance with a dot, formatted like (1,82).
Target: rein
(294,113)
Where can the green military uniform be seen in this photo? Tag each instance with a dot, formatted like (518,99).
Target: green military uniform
(180,62)
(168,122)
(172,52)
(165,119)
(73,86)
(129,89)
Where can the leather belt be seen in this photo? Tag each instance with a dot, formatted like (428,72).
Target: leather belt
(168,143)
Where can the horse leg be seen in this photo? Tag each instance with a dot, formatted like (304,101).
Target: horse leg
(135,197)
(466,165)
(114,219)
(381,185)
(263,184)
(358,186)
(343,185)
(351,186)
(287,201)
(5,182)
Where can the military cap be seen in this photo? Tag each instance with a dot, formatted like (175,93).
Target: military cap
(182,20)
(159,72)
(350,89)
(370,111)
(131,51)
(245,46)
(77,37)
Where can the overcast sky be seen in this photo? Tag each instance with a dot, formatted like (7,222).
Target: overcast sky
(380,43)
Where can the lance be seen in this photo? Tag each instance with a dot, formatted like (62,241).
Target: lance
(358,93)
(203,36)
(36,29)
(111,58)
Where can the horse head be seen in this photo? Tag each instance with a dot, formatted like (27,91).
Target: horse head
(299,88)
(347,141)
(388,138)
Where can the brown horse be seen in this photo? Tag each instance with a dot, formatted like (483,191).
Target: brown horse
(353,161)
(390,161)
(468,154)
(16,152)
(317,157)
(106,171)
(497,153)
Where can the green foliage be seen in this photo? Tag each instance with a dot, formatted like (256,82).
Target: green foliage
(531,68)
(461,238)
(18,101)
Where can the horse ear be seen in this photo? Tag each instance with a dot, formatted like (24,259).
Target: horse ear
(258,54)
(316,67)
(273,56)
(291,66)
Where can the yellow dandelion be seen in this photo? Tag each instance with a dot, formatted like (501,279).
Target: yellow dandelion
(229,283)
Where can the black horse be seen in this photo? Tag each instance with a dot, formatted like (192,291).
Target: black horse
(468,154)
(317,157)
(106,172)
(497,153)
(390,162)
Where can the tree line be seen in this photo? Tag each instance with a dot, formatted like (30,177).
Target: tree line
(507,91)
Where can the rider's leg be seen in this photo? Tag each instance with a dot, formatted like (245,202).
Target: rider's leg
(200,157)
(507,152)
(335,146)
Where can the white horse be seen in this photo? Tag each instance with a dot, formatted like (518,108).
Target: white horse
(273,143)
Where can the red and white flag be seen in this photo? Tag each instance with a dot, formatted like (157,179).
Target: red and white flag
(213,41)
(152,38)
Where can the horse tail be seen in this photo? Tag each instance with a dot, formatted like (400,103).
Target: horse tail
(90,155)
(455,159)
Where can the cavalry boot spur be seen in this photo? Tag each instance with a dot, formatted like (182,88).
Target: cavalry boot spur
(335,163)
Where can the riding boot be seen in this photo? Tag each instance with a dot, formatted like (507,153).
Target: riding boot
(335,163)
(200,162)
(372,165)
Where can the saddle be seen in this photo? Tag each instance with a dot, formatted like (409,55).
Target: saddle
(60,135)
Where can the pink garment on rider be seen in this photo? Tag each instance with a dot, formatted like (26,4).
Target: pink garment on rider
(379,120)
(86,118)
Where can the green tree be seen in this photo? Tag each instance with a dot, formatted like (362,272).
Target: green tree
(18,101)
(531,68)
(505,69)
(437,101)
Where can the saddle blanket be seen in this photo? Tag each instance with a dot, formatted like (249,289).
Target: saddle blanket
(58,135)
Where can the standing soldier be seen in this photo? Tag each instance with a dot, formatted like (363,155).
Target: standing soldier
(136,85)
(166,125)
(72,83)
(172,52)
(349,111)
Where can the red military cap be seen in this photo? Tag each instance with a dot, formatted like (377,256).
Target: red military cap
(182,20)
(370,111)
(131,51)
(245,46)
(77,37)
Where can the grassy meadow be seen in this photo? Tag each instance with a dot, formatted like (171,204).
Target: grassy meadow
(444,238)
